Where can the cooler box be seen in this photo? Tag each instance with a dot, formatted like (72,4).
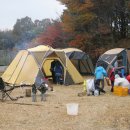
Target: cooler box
(120,91)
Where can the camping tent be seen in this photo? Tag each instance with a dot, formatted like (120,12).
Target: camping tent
(27,64)
(24,68)
(80,60)
(110,57)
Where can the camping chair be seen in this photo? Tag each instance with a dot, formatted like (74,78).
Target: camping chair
(5,93)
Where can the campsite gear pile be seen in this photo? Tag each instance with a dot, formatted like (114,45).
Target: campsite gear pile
(93,87)
(121,86)
(121,81)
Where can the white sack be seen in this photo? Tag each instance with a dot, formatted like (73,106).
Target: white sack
(122,82)
(90,85)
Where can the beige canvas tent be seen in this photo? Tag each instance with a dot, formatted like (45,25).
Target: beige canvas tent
(27,64)
(109,58)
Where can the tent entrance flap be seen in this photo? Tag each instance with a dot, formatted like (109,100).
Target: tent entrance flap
(47,66)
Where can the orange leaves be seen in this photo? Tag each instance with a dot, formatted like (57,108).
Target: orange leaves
(80,40)
(53,36)
(68,24)
(78,14)
(77,41)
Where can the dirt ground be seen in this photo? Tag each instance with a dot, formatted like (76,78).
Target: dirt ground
(104,112)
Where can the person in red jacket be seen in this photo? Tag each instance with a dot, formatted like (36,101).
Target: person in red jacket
(128,78)
(112,78)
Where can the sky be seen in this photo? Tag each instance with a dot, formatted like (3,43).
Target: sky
(11,10)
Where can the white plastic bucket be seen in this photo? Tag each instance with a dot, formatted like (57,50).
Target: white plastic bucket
(72,108)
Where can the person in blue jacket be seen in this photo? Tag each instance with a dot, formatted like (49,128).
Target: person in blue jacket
(100,73)
(58,69)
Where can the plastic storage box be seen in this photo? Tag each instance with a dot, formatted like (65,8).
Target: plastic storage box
(120,91)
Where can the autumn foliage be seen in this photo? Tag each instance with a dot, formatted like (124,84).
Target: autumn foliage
(53,36)
(96,24)
(89,25)
(77,20)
